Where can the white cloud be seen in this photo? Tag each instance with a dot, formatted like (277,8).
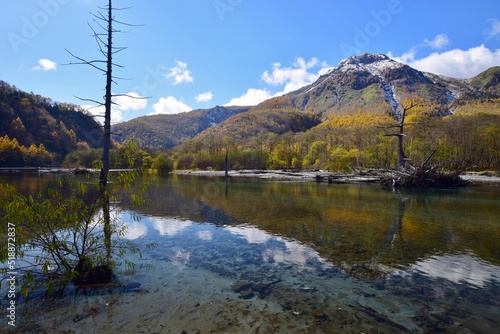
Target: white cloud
(251,234)
(130,101)
(458,63)
(252,97)
(458,268)
(170,227)
(205,235)
(455,63)
(180,73)
(295,76)
(169,105)
(45,65)
(494,31)
(405,58)
(116,115)
(204,97)
(134,230)
(438,42)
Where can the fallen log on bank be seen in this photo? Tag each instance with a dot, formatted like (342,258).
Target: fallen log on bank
(423,178)
(347,178)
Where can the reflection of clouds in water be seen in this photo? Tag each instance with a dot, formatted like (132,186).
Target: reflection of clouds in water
(205,235)
(134,230)
(180,256)
(287,252)
(168,226)
(294,253)
(459,268)
(177,256)
(251,234)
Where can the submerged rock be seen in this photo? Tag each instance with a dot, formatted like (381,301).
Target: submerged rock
(240,286)
(246,294)
(247,289)
(319,314)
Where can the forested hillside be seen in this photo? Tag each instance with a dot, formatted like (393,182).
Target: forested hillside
(243,127)
(469,139)
(167,131)
(344,120)
(35,131)
(454,124)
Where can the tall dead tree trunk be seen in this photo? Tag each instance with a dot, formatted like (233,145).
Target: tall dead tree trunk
(400,135)
(106,143)
(416,176)
(106,147)
(103,180)
(104,40)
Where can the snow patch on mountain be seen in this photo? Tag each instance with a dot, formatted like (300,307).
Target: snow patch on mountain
(375,65)
(389,95)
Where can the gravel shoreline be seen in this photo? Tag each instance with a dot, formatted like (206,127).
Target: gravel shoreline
(283,175)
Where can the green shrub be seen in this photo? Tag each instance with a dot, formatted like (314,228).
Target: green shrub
(163,164)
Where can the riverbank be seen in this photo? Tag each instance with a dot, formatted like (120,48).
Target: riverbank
(321,176)
(280,175)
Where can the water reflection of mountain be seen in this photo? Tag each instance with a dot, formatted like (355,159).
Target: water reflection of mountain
(362,229)
(206,245)
(359,228)
(458,268)
(188,243)
(288,240)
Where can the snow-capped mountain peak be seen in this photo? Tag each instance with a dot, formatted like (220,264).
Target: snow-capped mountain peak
(376,64)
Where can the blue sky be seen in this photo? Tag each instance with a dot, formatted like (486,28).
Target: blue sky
(190,54)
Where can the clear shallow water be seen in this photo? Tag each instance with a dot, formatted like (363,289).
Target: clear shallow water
(315,258)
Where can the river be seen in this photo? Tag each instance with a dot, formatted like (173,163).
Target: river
(264,256)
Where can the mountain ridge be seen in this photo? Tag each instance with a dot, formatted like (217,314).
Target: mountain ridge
(373,83)
(377,81)
(367,85)
(168,130)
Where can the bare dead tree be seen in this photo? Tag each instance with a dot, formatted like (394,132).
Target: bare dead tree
(402,159)
(424,175)
(103,34)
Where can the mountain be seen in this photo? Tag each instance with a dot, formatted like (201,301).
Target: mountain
(368,88)
(374,83)
(32,122)
(487,81)
(167,131)
(246,126)
(364,89)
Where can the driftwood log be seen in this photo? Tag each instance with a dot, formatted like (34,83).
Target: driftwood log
(423,178)
(416,177)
